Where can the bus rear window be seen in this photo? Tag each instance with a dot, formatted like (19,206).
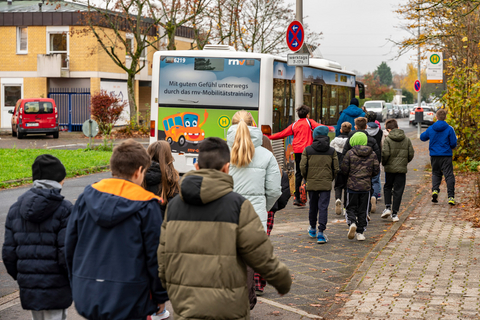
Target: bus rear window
(38,107)
(209,64)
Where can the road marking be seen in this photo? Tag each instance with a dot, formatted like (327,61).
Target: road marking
(288,308)
(10,304)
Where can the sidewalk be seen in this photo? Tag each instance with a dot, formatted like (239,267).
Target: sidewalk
(428,270)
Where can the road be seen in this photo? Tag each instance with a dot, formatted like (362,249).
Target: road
(290,223)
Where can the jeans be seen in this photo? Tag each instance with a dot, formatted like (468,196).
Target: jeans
(394,185)
(442,166)
(318,206)
(298,176)
(377,185)
(60,314)
(357,207)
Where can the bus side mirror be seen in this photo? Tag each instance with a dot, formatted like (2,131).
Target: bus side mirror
(361,90)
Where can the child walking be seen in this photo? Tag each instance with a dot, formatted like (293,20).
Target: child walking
(397,152)
(34,240)
(360,165)
(442,141)
(206,276)
(374,130)
(281,203)
(319,166)
(340,180)
(161,178)
(112,240)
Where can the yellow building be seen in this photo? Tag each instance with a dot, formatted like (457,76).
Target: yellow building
(46,52)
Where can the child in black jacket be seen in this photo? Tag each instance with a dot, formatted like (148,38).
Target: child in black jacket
(34,240)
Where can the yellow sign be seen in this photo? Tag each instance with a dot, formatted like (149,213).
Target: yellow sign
(224,122)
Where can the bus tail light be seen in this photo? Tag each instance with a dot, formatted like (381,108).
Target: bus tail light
(152,128)
(266,130)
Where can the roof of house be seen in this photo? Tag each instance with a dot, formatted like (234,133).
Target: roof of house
(47,6)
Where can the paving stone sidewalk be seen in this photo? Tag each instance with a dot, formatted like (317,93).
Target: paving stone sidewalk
(428,270)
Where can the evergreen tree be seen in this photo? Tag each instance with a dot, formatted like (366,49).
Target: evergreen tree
(384,73)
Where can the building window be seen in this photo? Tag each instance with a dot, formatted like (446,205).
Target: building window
(58,44)
(22,40)
(130,44)
(144,54)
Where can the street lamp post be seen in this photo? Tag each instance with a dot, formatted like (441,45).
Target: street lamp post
(419,96)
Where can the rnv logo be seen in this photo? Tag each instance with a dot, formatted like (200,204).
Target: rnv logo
(236,62)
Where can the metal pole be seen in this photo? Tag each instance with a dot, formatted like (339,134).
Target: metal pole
(299,70)
(419,96)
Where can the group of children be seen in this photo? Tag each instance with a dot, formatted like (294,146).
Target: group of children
(122,251)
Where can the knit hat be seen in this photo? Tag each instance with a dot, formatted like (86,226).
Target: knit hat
(354,101)
(359,139)
(320,131)
(48,167)
(371,116)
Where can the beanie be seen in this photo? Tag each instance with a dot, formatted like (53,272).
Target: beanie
(320,131)
(371,116)
(48,167)
(358,139)
(354,101)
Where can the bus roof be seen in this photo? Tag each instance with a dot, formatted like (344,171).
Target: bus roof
(226,52)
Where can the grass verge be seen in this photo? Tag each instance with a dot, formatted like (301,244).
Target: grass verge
(17,163)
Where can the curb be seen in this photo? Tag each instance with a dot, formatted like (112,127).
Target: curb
(97,169)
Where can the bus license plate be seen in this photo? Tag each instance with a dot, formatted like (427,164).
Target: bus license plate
(32,124)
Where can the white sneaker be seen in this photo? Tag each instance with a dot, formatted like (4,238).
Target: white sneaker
(386,213)
(338,206)
(351,231)
(373,201)
(360,237)
(395,218)
(160,316)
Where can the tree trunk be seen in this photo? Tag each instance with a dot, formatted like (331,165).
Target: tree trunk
(131,96)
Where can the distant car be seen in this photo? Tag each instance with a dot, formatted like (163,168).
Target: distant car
(428,116)
(32,116)
(379,107)
(390,110)
(396,110)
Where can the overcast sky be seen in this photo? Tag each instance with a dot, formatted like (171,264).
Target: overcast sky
(356,32)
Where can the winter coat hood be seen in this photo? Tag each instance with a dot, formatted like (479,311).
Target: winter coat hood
(37,205)
(353,111)
(321,143)
(109,202)
(396,135)
(372,129)
(153,176)
(255,134)
(362,151)
(440,126)
(204,186)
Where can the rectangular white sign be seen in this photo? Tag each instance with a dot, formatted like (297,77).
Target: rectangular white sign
(435,67)
(119,89)
(298,59)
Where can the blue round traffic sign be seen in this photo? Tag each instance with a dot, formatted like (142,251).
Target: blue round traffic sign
(295,36)
(417,85)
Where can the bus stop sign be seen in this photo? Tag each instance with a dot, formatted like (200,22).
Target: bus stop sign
(295,36)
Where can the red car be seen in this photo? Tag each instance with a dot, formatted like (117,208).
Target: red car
(32,116)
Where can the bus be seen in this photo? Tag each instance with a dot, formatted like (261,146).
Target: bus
(195,93)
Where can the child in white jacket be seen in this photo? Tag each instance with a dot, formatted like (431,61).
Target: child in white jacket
(338,143)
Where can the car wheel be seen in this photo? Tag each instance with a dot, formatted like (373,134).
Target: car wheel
(181,141)
(169,140)
(55,135)
(19,135)
(14,134)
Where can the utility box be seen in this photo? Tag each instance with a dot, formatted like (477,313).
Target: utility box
(419,115)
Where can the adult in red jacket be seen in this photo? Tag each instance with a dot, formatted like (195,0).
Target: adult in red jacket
(302,130)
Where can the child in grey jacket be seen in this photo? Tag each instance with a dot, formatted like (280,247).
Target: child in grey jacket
(338,144)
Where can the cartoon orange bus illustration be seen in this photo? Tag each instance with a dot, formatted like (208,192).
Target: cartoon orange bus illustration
(183,127)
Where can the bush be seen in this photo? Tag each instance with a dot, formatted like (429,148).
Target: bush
(106,110)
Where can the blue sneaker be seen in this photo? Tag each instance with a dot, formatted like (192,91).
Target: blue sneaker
(312,232)
(321,238)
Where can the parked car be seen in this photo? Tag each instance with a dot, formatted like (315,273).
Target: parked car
(32,116)
(428,116)
(390,111)
(379,107)
(405,111)
(397,111)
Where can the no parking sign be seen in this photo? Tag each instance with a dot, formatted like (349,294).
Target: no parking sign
(295,36)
